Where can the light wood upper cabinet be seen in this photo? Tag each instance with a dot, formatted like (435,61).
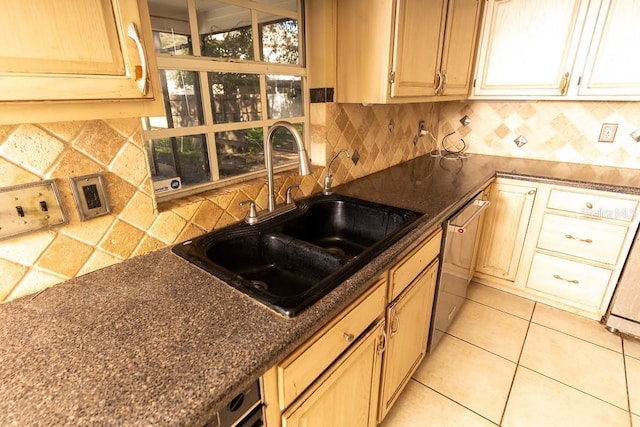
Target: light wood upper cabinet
(404,50)
(463,22)
(545,49)
(70,60)
(418,39)
(612,62)
(527,47)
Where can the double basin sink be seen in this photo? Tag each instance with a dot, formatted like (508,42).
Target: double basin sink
(291,261)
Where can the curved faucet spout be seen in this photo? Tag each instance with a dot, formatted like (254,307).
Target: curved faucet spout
(328,179)
(303,159)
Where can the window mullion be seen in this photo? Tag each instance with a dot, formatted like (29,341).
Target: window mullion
(193,25)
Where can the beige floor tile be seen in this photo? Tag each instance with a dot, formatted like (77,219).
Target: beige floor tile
(473,377)
(493,330)
(501,300)
(635,420)
(420,406)
(577,326)
(588,367)
(632,347)
(633,382)
(537,401)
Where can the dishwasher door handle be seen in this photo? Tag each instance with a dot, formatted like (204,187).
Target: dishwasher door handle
(483,204)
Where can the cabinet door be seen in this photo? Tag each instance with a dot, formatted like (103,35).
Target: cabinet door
(505,226)
(418,43)
(463,20)
(408,320)
(68,50)
(347,394)
(528,48)
(613,63)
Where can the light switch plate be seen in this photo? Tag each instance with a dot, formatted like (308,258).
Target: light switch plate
(90,194)
(30,207)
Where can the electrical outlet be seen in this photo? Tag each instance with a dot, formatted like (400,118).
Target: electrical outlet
(608,132)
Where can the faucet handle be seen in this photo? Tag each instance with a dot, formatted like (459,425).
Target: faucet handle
(289,190)
(252,216)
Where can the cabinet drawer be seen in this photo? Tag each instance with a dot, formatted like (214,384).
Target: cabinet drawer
(403,273)
(572,281)
(593,205)
(594,240)
(305,364)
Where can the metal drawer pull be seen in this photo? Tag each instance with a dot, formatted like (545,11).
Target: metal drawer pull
(570,237)
(143,83)
(589,205)
(348,337)
(395,322)
(382,345)
(557,276)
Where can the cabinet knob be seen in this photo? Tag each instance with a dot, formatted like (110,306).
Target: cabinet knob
(531,192)
(589,205)
(348,337)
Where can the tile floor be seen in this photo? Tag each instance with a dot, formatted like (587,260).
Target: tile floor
(509,361)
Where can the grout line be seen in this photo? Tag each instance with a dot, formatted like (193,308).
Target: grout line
(515,372)
(626,383)
(581,339)
(455,402)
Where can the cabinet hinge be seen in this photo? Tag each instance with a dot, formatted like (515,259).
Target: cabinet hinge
(392,77)
(474,82)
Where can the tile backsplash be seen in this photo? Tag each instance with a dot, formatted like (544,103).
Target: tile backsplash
(555,130)
(30,152)
(382,135)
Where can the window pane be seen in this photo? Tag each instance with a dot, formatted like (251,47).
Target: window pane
(279,39)
(170,24)
(235,97)
(240,151)
(284,96)
(225,30)
(182,156)
(172,43)
(182,100)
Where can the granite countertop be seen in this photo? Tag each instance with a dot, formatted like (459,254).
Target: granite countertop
(156,341)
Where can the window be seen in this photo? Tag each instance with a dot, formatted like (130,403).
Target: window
(229,69)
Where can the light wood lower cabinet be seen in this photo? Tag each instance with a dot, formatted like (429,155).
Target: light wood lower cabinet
(337,368)
(408,320)
(347,393)
(505,227)
(572,250)
(337,377)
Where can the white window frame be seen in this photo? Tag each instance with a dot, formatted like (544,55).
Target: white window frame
(203,65)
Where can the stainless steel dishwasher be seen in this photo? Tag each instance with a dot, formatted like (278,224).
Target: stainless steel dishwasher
(460,235)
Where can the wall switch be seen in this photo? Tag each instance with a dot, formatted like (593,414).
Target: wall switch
(30,207)
(608,132)
(90,194)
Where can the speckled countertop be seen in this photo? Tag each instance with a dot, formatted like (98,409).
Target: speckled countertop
(157,341)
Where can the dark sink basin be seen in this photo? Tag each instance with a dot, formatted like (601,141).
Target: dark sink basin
(291,261)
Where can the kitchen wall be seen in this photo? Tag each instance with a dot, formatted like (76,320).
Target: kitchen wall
(32,152)
(561,131)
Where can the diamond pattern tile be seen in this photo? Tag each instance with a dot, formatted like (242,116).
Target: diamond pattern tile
(563,131)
